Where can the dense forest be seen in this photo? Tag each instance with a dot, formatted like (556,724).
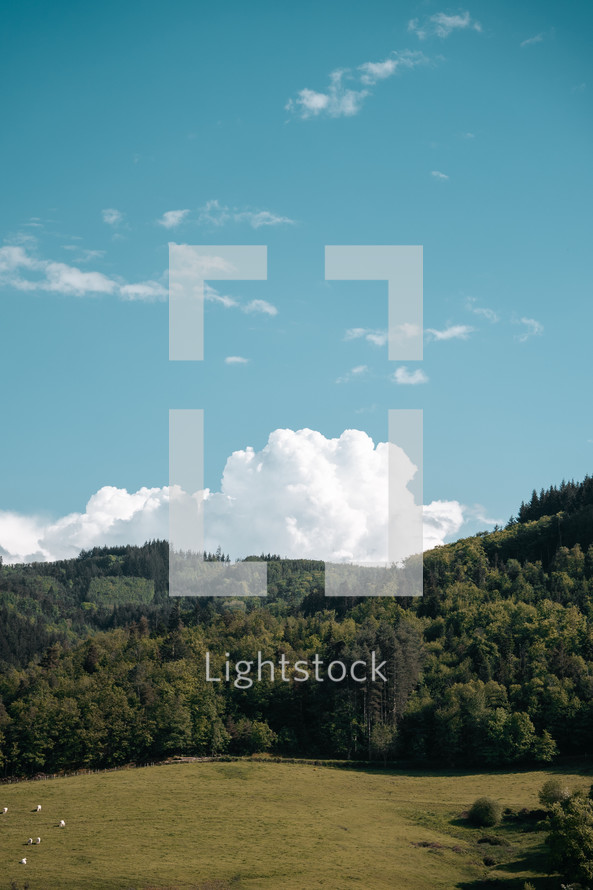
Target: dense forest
(492,666)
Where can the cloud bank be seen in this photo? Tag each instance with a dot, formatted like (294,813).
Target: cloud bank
(301,495)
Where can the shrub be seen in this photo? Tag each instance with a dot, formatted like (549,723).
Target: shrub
(554,791)
(485,812)
(252,736)
(571,839)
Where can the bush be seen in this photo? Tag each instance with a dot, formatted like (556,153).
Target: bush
(554,791)
(485,812)
(252,736)
(571,839)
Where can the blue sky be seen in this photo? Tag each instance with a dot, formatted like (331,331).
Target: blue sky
(469,133)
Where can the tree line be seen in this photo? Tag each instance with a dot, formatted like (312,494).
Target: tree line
(492,666)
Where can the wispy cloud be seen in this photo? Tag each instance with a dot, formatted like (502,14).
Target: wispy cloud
(26,239)
(371,72)
(478,513)
(438,175)
(213,213)
(452,332)
(338,101)
(211,294)
(112,217)
(253,306)
(533,328)
(144,290)
(489,314)
(376,337)
(357,372)
(172,218)
(531,40)
(409,378)
(260,306)
(83,255)
(469,135)
(442,25)
(23,270)
(236,360)
(348,88)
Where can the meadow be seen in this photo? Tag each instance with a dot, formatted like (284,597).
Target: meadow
(249,825)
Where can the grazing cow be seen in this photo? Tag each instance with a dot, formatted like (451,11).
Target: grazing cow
(38,810)
(38,841)
(62,823)
(23,861)
(30,841)
(4,811)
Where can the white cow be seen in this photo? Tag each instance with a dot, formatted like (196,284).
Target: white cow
(62,823)
(30,841)
(38,808)
(23,861)
(38,841)
(4,811)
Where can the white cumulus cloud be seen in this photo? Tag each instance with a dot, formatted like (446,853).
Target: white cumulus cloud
(113,516)
(441,519)
(301,495)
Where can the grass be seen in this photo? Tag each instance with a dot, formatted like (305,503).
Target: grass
(264,826)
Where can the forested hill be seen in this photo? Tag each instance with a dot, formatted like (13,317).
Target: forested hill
(494,665)
(571,498)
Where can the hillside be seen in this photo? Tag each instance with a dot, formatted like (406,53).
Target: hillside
(493,666)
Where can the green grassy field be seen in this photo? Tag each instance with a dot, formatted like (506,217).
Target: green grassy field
(267,826)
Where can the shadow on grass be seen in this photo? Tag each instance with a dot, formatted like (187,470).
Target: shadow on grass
(509,884)
(534,862)
(413,768)
(232,884)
